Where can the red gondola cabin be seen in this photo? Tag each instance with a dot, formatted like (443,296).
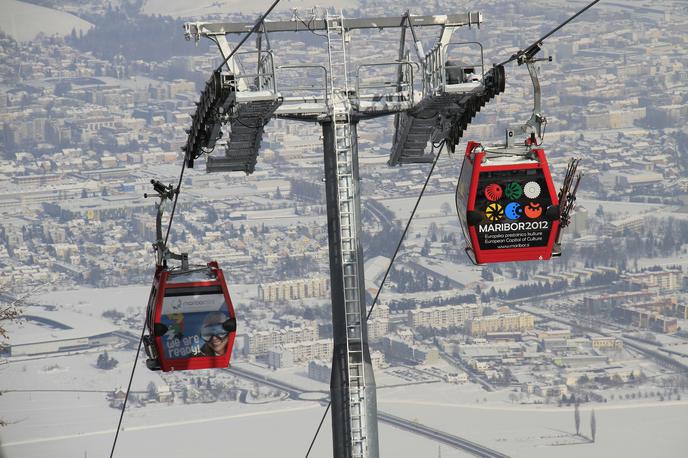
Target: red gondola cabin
(507,204)
(191,320)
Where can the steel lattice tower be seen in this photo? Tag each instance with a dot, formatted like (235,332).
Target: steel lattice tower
(429,102)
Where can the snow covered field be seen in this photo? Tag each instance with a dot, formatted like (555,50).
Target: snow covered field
(624,429)
(23,21)
(56,406)
(94,301)
(79,423)
(220,430)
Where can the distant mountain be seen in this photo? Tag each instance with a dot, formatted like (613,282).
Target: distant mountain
(23,21)
(200,8)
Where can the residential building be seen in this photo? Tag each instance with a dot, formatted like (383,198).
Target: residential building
(259,342)
(500,323)
(443,317)
(606,343)
(398,348)
(294,289)
(289,354)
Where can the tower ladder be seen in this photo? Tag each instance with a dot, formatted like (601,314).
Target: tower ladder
(339,107)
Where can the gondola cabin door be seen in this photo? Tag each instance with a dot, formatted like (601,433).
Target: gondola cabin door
(507,205)
(192,323)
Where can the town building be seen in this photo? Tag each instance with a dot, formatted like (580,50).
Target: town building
(645,319)
(606,343)
(443,317)
(402,349)
(287,355)
(294,289)
(603,303)
(665,280)
(480,326)
(259,342)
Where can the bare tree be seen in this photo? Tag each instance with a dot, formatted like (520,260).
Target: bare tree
(576,417)
(593,425)
(152,390)
(8,312)
(446,208)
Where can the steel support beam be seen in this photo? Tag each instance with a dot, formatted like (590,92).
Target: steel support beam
(346,344)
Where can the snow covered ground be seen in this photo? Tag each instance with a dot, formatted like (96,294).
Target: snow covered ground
(286,432)
(69,424)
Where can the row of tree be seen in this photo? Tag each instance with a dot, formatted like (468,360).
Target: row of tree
(410,303)
(407,281)
(124,32)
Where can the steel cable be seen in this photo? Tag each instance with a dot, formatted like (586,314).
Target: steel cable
(174,204)
(408,224)
(534,48)
(126,396)
(243,40)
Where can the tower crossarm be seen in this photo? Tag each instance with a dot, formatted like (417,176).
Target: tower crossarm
(196,30)
(245,99)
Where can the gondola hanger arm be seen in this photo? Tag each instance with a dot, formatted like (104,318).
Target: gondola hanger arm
(162,252)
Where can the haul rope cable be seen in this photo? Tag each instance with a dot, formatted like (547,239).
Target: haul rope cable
(403,235)
(143,331)
(169,226)
(534,48)
(389,268)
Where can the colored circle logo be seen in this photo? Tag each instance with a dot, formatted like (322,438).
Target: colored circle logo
(494,212)
(513,191)
(533,210)
(531,189)
(493,192)
(513,210)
